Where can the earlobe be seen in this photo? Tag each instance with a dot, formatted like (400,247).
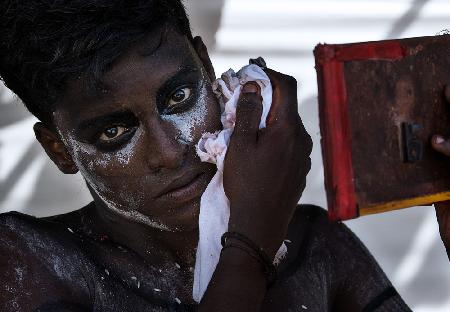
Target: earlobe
(55,148)
(202,53)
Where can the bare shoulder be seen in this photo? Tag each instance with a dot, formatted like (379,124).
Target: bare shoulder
(329,269)
(37,261)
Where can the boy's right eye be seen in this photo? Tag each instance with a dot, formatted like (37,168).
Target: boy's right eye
(113,132)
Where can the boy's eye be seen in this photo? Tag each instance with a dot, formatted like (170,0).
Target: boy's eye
(112,133)
(180,95)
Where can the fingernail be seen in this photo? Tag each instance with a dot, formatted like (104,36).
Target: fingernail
(258,61)
(439,140)
(250,87)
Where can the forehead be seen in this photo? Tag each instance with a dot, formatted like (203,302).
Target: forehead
(140,71)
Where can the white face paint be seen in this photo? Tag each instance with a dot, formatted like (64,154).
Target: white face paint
(82,151)
(186,122)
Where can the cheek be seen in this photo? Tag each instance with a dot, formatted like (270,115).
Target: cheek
(107,173)
(203,117)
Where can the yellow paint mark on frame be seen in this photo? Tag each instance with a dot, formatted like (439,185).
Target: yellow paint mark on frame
(410,202)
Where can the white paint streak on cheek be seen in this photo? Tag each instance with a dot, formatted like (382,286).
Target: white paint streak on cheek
(83,153)
(188,121)
(135,216)
(125,154)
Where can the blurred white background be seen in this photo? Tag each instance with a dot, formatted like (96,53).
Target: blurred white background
(406,243)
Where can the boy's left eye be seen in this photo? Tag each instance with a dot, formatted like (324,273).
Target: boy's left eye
(179,96)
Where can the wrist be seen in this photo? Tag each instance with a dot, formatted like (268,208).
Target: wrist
(241,262)
(243,243)
(269,239)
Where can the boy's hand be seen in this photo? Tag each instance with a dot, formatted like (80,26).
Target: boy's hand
(265,170)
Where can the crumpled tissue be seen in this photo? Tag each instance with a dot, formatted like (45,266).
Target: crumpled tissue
(212,147)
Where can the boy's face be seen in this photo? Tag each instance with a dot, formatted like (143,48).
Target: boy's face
(134,140)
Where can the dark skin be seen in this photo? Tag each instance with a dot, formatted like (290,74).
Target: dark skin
(168,223)
(138,158)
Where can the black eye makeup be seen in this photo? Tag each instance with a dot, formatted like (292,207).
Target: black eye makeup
(178,93)
(108,132)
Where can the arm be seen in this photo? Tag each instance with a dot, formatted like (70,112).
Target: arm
(442,145)
(27,271)
(362,285)
(264,177)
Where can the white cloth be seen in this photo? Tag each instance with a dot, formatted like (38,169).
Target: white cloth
(212,147)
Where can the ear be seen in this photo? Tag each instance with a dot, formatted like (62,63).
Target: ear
(55,148)
(202,53)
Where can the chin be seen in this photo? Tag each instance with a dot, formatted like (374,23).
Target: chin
(186,217)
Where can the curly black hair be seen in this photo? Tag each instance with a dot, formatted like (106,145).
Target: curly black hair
(45,43)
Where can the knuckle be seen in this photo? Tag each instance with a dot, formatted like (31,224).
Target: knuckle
(250,99)
(291,82)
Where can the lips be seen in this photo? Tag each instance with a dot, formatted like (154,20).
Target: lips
(184,188)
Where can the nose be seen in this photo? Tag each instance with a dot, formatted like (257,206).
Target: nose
(165,150)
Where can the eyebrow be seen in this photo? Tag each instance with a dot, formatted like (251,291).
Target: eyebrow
(185,70)
(103,119)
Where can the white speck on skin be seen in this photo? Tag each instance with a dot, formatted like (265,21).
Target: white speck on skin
(138,284)
(157,289)
(177,265)
(134,278)
(107,272)
(177,300)
(70,230)
(19,274)
(304,307)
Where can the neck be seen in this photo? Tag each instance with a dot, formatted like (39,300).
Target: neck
(156,246)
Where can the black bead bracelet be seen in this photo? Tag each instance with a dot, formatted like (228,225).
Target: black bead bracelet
(251,248)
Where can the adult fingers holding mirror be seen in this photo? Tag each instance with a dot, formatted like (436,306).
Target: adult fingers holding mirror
(442,145)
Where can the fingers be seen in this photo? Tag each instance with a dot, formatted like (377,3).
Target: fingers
(440,206)
(441,144)
(284,100)
(443,217)
(248,112)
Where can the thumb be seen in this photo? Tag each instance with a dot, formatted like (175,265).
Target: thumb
(248,111)
(443,217)
(441,144)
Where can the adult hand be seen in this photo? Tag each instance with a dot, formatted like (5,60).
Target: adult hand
(265,170)
(442,145)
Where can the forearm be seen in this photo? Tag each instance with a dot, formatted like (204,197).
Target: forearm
(238,284)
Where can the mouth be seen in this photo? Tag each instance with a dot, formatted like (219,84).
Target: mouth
(184,188)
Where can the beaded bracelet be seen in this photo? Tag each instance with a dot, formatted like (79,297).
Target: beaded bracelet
(254,251)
